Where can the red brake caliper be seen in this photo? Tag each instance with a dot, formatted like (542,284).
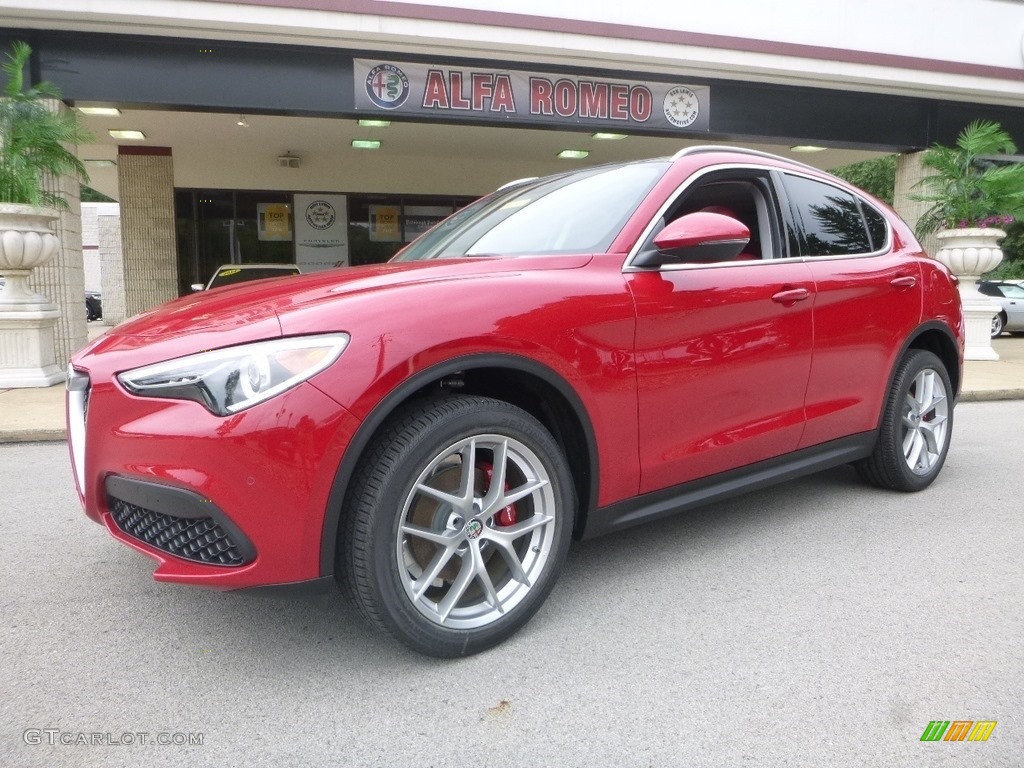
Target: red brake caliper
(508,515)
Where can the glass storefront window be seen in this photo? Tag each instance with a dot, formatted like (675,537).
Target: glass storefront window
(381,225)
(216,227)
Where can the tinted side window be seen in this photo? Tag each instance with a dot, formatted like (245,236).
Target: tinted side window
(829,219)
(876,226)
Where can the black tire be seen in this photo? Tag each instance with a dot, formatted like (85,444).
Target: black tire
(890,466)
(998,324)
(383,561)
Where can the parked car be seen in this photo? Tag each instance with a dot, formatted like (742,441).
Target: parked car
(93,306)
(230,274)
(1010,295)
(569,356)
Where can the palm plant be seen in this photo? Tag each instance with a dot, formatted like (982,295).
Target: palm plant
(33,137)
(967,190)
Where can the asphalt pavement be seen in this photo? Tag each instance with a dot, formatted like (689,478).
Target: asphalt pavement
(818,623)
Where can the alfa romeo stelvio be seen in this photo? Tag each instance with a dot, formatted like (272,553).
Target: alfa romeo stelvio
(566,357)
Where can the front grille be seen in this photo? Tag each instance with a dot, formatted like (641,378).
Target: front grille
(199,539)
(78,389)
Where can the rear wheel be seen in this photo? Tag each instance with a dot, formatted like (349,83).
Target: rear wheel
(916,426)
(458,524)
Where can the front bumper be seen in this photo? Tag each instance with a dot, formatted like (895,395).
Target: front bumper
(229,503)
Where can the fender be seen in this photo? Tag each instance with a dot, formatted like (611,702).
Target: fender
(955,374)
(369,427)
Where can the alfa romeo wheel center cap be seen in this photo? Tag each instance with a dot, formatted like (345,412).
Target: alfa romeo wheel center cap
(473,529)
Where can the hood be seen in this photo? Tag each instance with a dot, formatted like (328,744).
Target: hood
(251,310)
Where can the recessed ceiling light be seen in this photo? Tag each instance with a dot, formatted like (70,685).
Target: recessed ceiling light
(374,123)
(365,144)
(807,148)
(100,111)
(573,154)
(609,136)
(127,135)
(100,163)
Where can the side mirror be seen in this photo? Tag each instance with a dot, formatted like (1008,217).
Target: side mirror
(198,286)
(698,238)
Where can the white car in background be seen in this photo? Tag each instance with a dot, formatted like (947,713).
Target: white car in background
(1010,294)
(230,274)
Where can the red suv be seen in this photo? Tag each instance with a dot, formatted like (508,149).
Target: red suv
(568,356)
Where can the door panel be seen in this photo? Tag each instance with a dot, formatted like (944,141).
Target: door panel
(722,366)
(864,309)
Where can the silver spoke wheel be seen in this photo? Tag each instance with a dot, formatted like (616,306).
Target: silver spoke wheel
(916,425)
(925,420)
(997,325)
(476,531)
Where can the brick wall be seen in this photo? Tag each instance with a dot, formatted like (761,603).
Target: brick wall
(108,235)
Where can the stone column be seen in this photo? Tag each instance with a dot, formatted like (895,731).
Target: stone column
(146,180)
(108,226)
(909,171)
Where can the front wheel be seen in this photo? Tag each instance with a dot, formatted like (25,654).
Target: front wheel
(917,424)
(458,523)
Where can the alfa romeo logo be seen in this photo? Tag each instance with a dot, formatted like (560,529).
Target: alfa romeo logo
(320,214)
(681,106)
(387,86)
(474,528)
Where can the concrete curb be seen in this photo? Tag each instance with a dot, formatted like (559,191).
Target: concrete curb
(987,395)
(33,436)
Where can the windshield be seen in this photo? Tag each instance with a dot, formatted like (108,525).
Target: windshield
(578,212)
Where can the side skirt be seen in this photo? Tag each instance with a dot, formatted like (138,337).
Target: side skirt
(652,506)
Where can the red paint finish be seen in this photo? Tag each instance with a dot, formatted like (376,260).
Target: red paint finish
(679,370)
(721,368)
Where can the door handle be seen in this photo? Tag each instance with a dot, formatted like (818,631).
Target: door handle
(907,281)
(790,296)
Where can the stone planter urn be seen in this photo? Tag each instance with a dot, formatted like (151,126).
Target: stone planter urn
(27,319)
(969,253)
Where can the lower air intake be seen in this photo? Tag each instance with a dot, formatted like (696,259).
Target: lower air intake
(199,539)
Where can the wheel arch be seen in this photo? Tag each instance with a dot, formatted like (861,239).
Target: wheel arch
(935,337)
(534,387)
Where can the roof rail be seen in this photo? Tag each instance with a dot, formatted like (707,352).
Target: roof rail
(702,148)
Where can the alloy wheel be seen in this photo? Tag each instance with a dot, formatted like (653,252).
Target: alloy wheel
(925,422)
(476,531)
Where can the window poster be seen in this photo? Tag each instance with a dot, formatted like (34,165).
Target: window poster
(274,221)
(420,218)
(321,232)
(385,224)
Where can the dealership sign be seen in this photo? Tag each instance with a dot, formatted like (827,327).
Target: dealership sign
(472,93)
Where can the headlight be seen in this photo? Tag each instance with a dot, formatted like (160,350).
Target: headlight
(230,380)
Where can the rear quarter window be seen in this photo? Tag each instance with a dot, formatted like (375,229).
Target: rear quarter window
(831,221)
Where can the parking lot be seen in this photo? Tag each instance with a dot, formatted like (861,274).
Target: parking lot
(821,622)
